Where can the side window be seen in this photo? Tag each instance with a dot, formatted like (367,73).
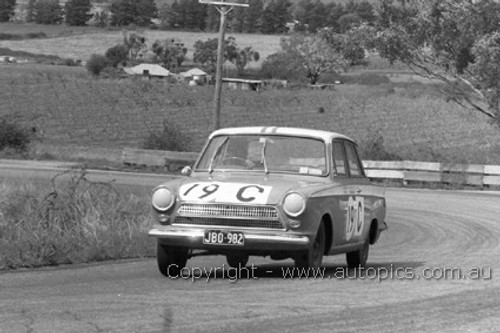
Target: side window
(353,161)
(339,159)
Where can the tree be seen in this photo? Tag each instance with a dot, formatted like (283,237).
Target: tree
(7,10)
(205,53)
(96,64)
(449,40)
(253,18)
(351,45)
(117,54)
(334,13)
(244,57)
(313,54)
(30,11)
(169,52)
(135,44)
(125,12)
(48,12)
(77,12)
(275,17)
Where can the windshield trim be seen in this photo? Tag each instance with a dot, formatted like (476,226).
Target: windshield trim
(325,146)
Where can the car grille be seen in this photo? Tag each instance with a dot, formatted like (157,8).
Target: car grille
(261,217)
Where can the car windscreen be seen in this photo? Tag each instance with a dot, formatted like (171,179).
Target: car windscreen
(269,153)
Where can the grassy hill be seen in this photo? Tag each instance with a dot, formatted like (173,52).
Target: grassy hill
(68,107)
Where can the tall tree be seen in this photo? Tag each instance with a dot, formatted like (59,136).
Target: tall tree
(334,13)
(205,52)
(453,41)
(170,52)
(253,17)
(48,12)
(313,55)
(275,17)
(212,19)
(30,11)
(7,10)
(77,12)
(125,12)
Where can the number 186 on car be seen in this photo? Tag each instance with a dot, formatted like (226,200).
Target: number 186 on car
(219,237)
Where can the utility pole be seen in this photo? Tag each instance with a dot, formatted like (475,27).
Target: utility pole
(223,8)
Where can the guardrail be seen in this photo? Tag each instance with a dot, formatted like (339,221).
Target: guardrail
(404,171)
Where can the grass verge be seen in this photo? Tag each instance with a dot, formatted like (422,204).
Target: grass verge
(73,220)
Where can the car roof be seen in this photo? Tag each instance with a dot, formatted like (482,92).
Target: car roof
(276,130)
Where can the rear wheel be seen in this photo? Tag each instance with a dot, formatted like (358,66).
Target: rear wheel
(237,260)
(171,259)
(314,255)
(358,258)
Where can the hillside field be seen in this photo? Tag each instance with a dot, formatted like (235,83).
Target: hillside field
(68,107)
(79,43)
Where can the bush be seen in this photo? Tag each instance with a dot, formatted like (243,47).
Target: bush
(373,148)
(169,138)
(5,36)
(12,135)
(70,62)
(117,54)
(96,64)
(279,66)
(34,35)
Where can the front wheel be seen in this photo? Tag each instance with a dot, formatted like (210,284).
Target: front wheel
(171,259)
(358,258)
(314,255)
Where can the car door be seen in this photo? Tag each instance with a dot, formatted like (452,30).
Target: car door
(360,196)
(341,194)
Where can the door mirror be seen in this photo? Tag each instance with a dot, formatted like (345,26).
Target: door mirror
(186,171)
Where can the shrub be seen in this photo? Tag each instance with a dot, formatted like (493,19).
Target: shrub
(169,138)
(117,54)
(34,35)
(96,64)
(12,135)
(373,148)
(6,36)
(70,62)
(279,66)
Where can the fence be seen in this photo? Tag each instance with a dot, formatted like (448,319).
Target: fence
(403,171)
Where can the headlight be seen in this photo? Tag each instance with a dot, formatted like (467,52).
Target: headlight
(294,204)
(162,199)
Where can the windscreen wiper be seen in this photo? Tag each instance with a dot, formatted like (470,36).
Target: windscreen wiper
(216,153)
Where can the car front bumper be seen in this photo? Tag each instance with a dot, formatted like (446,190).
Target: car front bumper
(254,240)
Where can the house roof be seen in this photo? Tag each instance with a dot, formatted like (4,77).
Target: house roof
(153,69)
(193,72)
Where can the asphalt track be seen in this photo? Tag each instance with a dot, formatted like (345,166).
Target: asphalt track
(412,282)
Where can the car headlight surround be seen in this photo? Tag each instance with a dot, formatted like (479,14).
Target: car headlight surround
(294,204)
(162,199)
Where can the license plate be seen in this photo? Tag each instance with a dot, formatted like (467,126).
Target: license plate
(220,237)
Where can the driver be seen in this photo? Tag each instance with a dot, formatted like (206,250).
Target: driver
(254,156)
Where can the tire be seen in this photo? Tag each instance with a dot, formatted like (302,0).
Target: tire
(238,260)
(314,255)
(171,259)
(358,258)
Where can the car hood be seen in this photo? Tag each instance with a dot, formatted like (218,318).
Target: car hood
(233,188)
